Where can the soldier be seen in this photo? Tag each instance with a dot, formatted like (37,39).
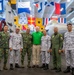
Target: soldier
(5,45)
(1,53)
(45,53)
(68,47)
(15,45)
(27,47)
(56,46)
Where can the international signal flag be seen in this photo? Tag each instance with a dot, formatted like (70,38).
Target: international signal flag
(31,21)
(12,3)
(60,8)
(62,20)
(42,28)
(38,22)
(24,27)
(45,21)
(16,18)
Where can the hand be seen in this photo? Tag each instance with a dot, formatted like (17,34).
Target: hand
(21,49)
(59,51)
(10,49)
(49,51)
(63,51)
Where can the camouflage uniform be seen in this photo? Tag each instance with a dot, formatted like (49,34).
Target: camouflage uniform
(1,53)
(5,46)
(27,47)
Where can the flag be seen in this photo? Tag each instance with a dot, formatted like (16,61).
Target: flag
(12,3)
(45,21)
(36,4)
(42,28)
(49,3)
(23,7)
(31,20)
(16,18)
(1,6)
(19,26)
(54,18)
(38,21)
(60,8)
(22,20)
(39,6)
(62,20)
(24,27)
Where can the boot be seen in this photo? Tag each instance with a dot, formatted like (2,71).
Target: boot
(11,66)
(58,70)
(17,66)
(54,68)
(72,71)
(22,66)
(46,67)
(4,67)
(33,66)
(28,65)
(67,70)
(43,66)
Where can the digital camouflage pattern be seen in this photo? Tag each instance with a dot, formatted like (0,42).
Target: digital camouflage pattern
(27,47)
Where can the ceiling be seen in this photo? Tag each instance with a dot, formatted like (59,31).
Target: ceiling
(49,11)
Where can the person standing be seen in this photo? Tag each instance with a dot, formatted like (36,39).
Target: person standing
(68,48)
(5,40)
(56,46)
(36,47)
(27,47)
(1,53)
(16,46)
(45,50)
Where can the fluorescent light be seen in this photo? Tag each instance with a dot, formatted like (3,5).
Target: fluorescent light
(68,0)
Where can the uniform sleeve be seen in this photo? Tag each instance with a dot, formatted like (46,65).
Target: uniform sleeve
(64,43)
(61,41)
(10,40)
(21,42)
(49,42)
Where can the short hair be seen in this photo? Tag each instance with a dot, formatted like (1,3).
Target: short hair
(69,24)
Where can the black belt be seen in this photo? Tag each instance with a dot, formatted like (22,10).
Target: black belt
(36,44)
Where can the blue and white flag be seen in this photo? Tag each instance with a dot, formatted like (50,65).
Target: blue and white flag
(62,20)
(49,3)
(1,6)
(38,6)
(24,7)
(46,21)
(22,19)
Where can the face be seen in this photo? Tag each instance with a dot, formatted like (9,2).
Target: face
(5,28)
(69,27)
(37,29)
(17,30)
(55,30)
(44,32)
(28,30)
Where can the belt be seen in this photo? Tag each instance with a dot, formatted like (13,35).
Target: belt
(36,44)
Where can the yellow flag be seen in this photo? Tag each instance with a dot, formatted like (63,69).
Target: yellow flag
(16,18)
(42,28)
(13,1)
(39,22)
(19,26)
